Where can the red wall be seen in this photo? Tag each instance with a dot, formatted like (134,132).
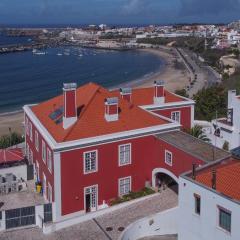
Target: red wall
(185,115)
(37,156)
(147,153)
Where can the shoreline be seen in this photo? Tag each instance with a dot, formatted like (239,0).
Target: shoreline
(174,79)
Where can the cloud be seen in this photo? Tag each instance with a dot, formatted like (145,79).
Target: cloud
(208,7)
(136,6)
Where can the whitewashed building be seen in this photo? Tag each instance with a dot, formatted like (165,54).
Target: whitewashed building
(209,203)
(225,130)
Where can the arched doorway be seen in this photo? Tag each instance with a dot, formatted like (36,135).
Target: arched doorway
(163,178)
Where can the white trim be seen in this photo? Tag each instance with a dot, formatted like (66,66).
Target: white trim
(130,154)
(93,140)
(192,115)
(165,171)
(165,157)
(49,151)
(130,186)
(84,195)
(50,191)
(84,162)
(30,131)
(37,171)
(57,186)
(44,151)
(44,186)
(168,105)
(36,135)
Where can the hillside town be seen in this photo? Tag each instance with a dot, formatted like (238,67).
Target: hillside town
(129,162)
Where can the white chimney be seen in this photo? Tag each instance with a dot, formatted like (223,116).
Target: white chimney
(111,109)
(126,93)
(70,105)
(159,97)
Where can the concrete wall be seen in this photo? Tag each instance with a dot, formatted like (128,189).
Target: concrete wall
(205,226)
(162,223)
(19,171)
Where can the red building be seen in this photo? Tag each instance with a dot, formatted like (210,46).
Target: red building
(91,145)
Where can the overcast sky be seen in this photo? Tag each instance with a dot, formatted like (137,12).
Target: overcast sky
(117,11)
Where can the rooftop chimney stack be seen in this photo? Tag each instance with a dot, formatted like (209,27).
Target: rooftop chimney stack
(214,179)
(159,97)
(111,109)
(126,93)
(70,105)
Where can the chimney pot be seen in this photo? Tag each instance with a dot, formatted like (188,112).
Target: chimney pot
(126,93)
(214,179)
(111,109)
(159,97)
(70,105)
(194,171)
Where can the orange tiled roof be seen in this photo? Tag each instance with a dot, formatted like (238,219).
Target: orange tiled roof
(91,121)
(228,178)
(144,96)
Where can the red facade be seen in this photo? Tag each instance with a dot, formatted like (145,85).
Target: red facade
(148,153)
(185,115)
(70,104)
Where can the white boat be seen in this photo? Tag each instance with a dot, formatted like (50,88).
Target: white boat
(59,54)
(36,52)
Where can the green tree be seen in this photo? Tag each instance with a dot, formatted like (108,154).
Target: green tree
(182,92)
(197,132)
(11,139)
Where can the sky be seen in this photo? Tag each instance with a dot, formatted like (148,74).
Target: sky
(117,11)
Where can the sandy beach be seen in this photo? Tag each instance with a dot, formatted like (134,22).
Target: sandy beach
(174,78)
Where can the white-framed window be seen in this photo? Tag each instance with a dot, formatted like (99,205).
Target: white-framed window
(90,161)
(49,159)
(168,157)
(30,131)
(27,126)
(36,141)
(124,154)
(224,219)
(124,186)
(43,151)
(176,116)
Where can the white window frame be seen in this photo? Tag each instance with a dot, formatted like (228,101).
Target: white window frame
(37,171)
(43,151)
(119,186)
(220,208)
(92,209)
(44,186)
(49,160)
(30,156)
(36,140)
(173,116)
(166,153)
(30,131)
(84,162)
(119,155)
(27,151)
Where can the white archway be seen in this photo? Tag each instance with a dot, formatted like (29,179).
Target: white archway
(162,170)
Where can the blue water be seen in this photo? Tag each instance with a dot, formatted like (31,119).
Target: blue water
(7,40)
(28,78)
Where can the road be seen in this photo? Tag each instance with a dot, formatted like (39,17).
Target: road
(204,75)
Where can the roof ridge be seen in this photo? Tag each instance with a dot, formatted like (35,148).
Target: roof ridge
(84,110)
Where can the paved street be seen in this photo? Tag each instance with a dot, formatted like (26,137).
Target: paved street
(106,227)
(169,237)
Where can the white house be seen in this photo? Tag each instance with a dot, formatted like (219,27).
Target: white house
(227,129)
(209,202)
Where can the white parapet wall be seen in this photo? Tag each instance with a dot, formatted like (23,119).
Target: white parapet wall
(163,223)
(19,171)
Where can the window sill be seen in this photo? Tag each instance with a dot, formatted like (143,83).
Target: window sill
(223,230)
(85,173)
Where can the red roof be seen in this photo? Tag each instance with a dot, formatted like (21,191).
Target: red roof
(11,155)
(144,96)
(91,121)
(227,178)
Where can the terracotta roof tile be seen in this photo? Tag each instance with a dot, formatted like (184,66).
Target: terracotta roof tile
(227,175)
(91,121)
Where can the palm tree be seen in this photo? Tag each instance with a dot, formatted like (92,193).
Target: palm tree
(197,132)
